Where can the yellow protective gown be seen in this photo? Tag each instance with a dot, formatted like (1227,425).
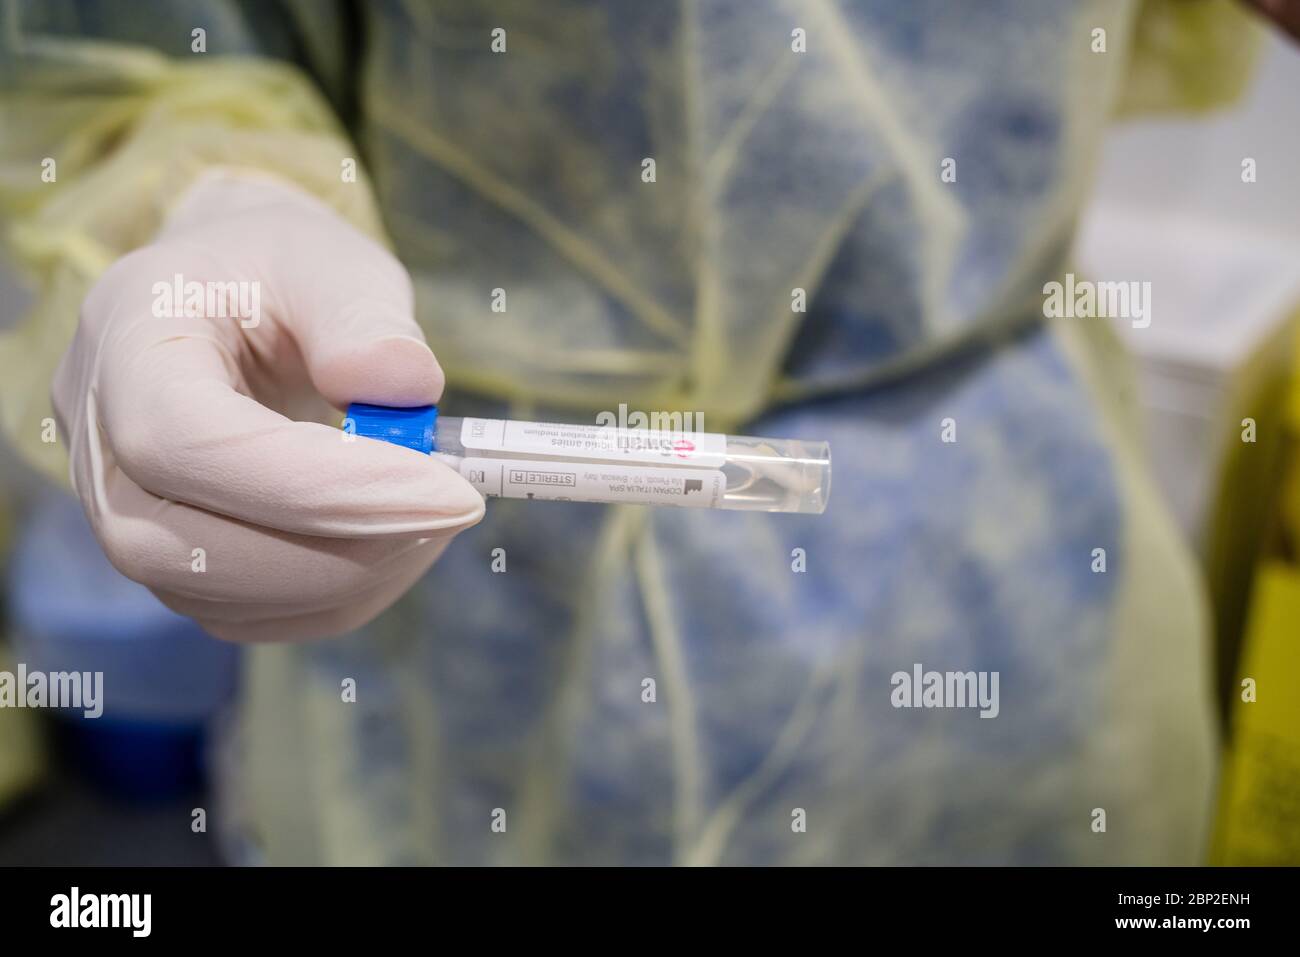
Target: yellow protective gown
(653,187)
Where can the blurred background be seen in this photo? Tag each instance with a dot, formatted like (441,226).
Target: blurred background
(1169,205)
(119,789)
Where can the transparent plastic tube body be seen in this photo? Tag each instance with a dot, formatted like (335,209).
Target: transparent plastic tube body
(608,464)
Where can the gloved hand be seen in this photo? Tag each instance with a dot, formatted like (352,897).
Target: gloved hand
(195,432)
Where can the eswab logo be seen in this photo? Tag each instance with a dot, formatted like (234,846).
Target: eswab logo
(132,911)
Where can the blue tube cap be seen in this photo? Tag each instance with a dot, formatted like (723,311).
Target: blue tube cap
(413,428)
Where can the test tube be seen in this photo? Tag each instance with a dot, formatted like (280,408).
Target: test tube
(554,461)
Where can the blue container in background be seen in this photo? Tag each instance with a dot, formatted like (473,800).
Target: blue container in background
(164,678)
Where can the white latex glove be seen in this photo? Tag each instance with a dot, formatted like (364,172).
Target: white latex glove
(182,430)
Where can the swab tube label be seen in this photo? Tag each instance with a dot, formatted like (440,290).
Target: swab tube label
(651,446)
(594,481)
